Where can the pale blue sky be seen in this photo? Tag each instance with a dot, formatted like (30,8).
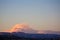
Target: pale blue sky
(43,14)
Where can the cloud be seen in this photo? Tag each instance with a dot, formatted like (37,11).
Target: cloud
(26,29)
(22,28)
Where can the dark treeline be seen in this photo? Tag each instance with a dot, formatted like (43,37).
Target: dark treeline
(11,36)
(21,38)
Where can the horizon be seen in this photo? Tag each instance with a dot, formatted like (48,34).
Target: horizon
(26,29)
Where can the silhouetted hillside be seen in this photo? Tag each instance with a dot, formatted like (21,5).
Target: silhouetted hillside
(26,36)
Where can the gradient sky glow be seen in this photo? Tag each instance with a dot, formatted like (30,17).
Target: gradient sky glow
(41,14)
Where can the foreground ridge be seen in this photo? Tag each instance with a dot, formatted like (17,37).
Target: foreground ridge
(27,36)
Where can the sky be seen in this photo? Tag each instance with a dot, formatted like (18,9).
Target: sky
(39,14)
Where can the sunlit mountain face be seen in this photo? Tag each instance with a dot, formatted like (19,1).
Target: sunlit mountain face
(26,29)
